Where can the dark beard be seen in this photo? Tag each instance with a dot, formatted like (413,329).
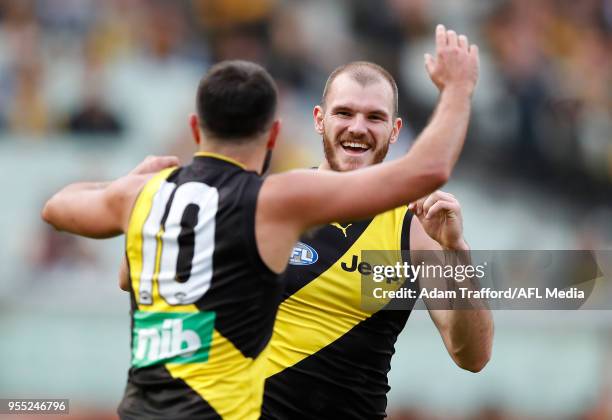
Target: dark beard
(330,156)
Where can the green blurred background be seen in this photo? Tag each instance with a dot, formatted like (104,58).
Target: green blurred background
(88,88)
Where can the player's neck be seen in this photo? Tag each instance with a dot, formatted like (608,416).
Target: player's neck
(250,155)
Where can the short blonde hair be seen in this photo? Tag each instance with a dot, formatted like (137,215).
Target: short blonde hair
(364,73)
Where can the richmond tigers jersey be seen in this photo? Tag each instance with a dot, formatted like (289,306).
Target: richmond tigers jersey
(328,358)
(203,302)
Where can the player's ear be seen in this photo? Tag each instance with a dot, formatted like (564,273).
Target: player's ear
(194,124)
(318,115)
(274,131)
(397,126)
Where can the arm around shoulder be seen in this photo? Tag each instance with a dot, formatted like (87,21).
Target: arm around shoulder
(94,210)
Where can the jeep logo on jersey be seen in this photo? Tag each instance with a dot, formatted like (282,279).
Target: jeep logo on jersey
(363,267)
(171,337)
(303,254)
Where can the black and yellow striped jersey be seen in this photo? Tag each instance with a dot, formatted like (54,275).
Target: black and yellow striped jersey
(329,358)
(203,301)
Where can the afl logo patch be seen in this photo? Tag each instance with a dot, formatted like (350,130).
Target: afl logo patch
(303,254)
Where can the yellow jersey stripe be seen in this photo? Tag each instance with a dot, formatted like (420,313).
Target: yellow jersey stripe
(140,212)
(208,379)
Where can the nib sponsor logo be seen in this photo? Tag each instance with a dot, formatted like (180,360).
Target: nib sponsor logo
(171,337)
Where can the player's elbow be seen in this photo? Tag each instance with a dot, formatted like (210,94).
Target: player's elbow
(441,173)
(475,365)
(435,176)
(48,213)
(474,361)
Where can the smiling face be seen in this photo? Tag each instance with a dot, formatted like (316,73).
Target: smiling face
(357,122)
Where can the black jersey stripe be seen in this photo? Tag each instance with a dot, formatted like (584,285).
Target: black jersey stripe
(342,380)
(186,242)
(157,395)
(405,239)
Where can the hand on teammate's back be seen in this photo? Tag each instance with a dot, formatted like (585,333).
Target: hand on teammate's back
(153,164)
(456,63)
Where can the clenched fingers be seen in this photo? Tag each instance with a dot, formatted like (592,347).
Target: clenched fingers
(442,206)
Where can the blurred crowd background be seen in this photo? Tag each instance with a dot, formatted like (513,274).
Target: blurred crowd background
(88,88)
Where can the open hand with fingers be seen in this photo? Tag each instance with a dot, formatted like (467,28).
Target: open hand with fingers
(440,216)
(456,64)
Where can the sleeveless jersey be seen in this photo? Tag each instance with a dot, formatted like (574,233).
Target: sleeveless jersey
(328,358)
(203,301)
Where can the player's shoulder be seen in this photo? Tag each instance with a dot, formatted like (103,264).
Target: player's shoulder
(124,190)
(396,215)
(122,195)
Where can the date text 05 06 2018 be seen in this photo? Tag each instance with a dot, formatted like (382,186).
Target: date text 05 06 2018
(33,406)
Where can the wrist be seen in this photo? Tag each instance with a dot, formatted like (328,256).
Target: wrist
(459,90)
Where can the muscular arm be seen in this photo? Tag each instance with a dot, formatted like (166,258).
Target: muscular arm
(91,209)
(101,209)
(467,333)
